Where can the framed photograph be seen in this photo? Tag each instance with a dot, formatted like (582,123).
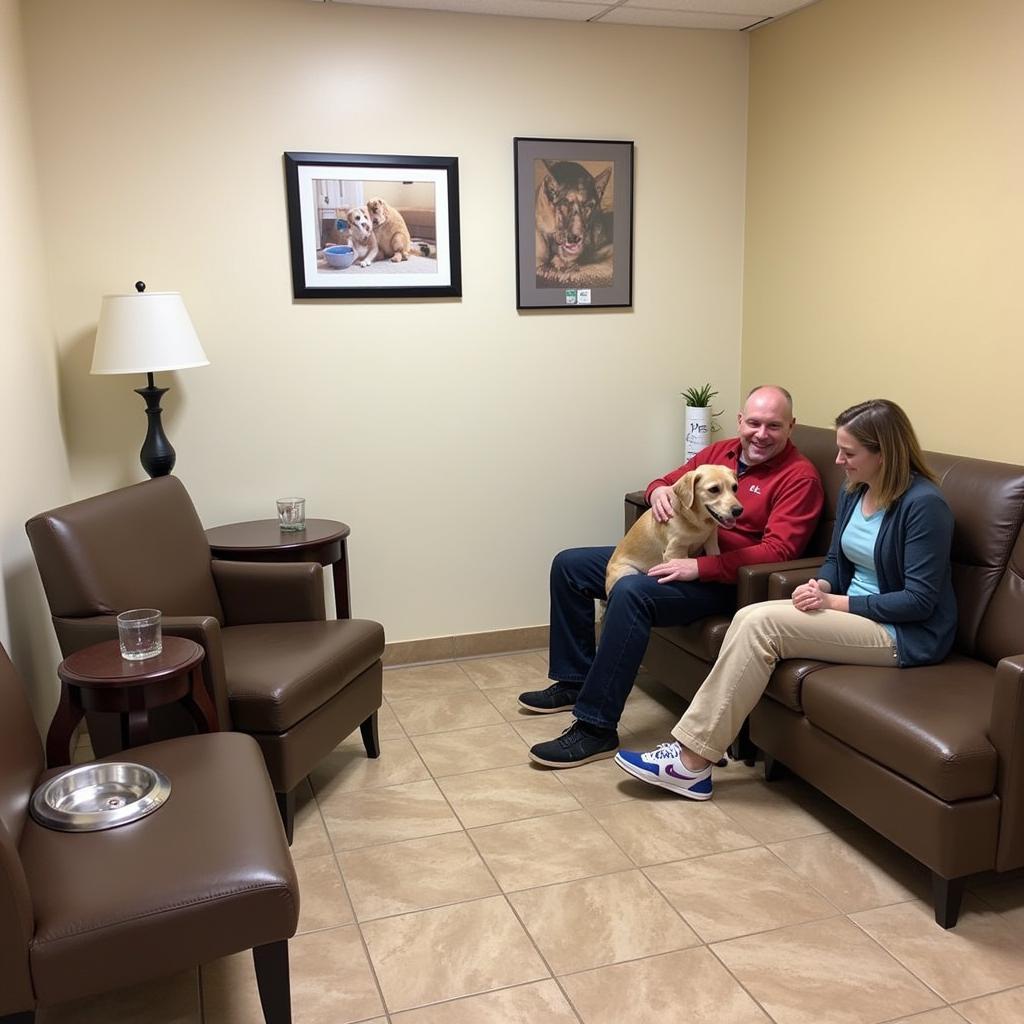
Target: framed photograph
(574,223)
(373,226)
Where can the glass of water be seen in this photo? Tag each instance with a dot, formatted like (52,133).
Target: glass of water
(291,514)
(138,632)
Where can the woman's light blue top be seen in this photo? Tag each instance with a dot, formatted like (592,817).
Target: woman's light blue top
(858,542)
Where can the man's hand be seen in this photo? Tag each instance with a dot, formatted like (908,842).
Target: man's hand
(813,596)
(675,570)
(661,504)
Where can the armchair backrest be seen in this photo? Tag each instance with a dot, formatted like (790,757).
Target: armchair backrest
(21,761)
(138,547)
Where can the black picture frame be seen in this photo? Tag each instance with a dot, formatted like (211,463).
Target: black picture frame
(574,223)
(321,185)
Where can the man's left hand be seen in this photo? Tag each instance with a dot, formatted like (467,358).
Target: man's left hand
(680,570)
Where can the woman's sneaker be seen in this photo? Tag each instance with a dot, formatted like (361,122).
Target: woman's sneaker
(664,767)
(557,697)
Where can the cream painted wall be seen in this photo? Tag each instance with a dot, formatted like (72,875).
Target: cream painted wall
(885,214)
(465,443)
(34,471)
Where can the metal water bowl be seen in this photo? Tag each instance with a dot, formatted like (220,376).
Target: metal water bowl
(98,796)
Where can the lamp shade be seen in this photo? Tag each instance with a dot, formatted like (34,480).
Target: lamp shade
(144,332)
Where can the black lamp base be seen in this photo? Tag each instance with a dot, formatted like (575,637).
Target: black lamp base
(157,455)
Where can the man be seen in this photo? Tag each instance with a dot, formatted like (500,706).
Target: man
(781,495)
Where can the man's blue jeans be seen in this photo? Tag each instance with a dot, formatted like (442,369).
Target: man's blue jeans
(606,674)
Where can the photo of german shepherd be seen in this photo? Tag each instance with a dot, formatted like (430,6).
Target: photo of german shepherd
(574,245)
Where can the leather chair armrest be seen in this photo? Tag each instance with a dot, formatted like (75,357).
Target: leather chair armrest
(754,582)
(74,634)
(635,506)
(783,582)
(1006,731)
(254,592)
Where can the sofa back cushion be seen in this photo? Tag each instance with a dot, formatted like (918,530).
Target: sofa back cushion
(137,547)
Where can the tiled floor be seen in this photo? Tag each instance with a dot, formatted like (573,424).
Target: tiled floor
(451,882)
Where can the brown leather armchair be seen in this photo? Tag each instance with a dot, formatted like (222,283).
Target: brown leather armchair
(208,874)
(275,667)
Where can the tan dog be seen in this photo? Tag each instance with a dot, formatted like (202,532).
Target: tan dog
(360,234)
(704,500)
(389,226)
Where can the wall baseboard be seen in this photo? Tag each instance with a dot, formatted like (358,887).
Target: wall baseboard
(465,645)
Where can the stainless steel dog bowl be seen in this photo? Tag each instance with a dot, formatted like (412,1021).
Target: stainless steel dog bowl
(99,796)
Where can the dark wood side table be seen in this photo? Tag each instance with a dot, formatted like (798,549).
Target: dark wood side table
(263,540)
(97,678)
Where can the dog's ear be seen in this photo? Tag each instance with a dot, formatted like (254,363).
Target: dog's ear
(550,187)
(601,182)
(684,488)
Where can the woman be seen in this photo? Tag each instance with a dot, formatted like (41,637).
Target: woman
(884,597)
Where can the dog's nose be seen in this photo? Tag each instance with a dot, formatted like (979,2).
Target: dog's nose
(737,511)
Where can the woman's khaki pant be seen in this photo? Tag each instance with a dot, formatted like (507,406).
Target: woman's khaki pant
(761,635)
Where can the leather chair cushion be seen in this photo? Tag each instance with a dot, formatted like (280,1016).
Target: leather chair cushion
(929,724)
(787,681)
(703,638)
(205,875)
(278,673)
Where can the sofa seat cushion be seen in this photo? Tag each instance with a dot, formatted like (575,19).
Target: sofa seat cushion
(278,673)
(787,681)
(928,724)
(703,638)
(205,875)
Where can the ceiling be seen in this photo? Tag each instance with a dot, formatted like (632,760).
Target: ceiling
(733,15)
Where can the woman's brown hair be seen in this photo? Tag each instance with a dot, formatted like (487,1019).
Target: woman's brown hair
(883,427)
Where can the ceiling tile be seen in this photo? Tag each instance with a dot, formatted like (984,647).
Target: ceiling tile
(568,10)
(677,19)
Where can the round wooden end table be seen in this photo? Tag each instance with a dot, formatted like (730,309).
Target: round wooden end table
(263,540)
(97,678)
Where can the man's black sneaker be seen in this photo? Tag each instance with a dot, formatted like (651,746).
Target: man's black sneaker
(557,697)
(579,744)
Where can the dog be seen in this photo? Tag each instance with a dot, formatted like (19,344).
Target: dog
(360,234)
(704,501)
(573,232)
(389,226)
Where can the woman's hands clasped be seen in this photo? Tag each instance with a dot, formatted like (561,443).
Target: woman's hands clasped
(812,596)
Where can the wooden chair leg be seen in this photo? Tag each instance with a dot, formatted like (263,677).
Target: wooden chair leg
(286,805)
(742,748)
(370,738)
(773,770)
(947,894)
(271,963)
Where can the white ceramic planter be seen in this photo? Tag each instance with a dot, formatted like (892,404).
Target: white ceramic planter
(698,429)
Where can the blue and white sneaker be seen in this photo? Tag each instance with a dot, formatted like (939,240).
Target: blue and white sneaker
(664,767)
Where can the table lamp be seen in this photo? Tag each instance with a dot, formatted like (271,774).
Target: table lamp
(143,332)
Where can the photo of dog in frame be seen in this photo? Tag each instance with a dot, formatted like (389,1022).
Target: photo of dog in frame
(574,223)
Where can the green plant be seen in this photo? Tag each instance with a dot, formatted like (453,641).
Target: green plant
(700,398)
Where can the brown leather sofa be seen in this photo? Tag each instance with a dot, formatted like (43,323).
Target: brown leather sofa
(932,757)
(206,875)
(275,667)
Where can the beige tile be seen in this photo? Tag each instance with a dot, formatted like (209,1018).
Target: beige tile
(644,713)
(505,698)
(471,750)
(774,812)
(443,712)
(388,815)
(450,952)
(658,827)
(309,835)
(322,899)
(387,725)
(600,783)
(943,1016)
(527,671)
(500,641)
(855,869)
(543,851)
(426,680)
(737,893)
(540,1002)
(331,982)
(173,1000)
(690,986)
(1008,898)
(599,921)
(1001,1008)
(823,971)
(506,794)
(405,652)
(347,768)
(980,955)
(534,728)
(414,875)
